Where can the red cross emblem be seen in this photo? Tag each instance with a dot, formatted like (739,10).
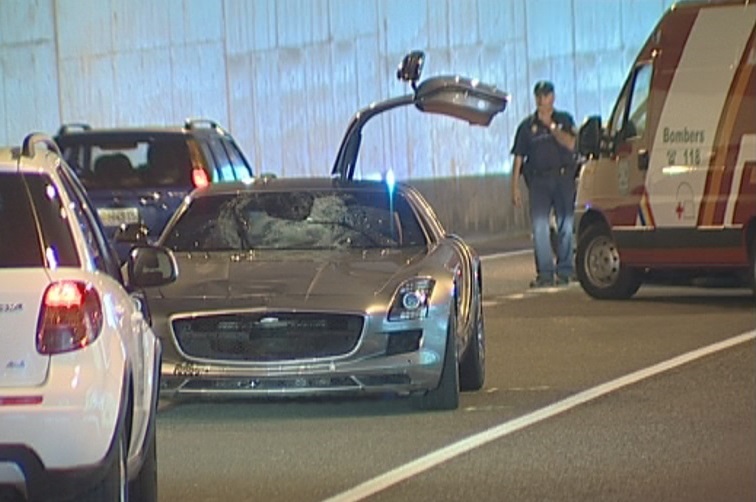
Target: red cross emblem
(679,210)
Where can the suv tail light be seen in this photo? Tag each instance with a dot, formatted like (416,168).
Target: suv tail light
(199,178)
(70,318)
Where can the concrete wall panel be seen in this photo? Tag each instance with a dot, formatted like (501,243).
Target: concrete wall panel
(549,28)
(404,25)
(319,135)
(86,90)
(30,101)
(137,27)
(199,82)
(200,22)
(267,150)
(241,101)
(597,24)
(250,26)
(438,25)
(301,22)
(25,22)
(500,22)
(463,23)
(144,79)
(352,18)
(84,27)
(293,102)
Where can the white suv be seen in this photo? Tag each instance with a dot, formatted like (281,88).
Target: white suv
(79,363)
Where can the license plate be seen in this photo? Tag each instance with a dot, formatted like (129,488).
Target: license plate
(117,217)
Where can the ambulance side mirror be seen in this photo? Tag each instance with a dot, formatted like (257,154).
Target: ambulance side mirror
(589,137)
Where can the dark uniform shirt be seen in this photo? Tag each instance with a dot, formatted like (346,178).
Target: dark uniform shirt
(541,152)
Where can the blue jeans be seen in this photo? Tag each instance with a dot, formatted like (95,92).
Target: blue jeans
(557,192)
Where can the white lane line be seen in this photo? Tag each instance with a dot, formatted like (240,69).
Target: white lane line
(505,254)
(426,462)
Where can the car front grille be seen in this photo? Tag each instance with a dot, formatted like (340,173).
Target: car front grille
(267,336)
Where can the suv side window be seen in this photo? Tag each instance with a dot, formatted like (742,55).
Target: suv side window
(33,229)
(91,227)
(19,242)
(220,159)
(242,171)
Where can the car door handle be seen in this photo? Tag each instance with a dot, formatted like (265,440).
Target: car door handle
(643,160)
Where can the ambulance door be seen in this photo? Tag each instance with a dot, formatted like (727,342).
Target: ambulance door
(627,128)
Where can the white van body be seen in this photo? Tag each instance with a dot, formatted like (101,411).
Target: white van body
(670,182)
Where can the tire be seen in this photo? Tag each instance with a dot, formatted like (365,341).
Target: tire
(143,488)
(113,487)
(446,395)
(599,269)
(472,368)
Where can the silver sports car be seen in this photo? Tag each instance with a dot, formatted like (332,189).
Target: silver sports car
(326,286)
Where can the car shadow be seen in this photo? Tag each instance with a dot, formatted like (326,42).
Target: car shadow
(728,298)
(285,408)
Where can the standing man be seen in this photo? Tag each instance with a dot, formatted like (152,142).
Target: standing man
(544,153)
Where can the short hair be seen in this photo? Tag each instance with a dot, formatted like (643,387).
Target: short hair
(543,87)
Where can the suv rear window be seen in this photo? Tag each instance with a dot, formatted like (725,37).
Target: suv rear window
(131,164)
(20,244)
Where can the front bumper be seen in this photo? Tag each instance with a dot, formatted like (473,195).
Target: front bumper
(398,374)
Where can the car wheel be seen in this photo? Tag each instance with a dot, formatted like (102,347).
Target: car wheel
(144,486)
(599,268)
(113,486)
(472,369)
(446,395)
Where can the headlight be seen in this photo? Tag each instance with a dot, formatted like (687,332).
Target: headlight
(411,300)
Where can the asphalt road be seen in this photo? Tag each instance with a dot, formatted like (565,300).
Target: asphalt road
(558,419)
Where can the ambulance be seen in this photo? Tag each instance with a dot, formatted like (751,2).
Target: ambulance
(669,184)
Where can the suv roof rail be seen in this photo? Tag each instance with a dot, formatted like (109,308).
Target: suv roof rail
(191,123)
(27,147)
(66,128)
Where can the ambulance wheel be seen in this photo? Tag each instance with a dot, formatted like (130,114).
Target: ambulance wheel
(599,269)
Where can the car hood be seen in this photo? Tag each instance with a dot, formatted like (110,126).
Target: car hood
(309,274)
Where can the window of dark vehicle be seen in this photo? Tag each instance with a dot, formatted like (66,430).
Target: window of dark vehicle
(242,171)
(223,167)
(20,244)
(129,163)
(307,219)
(101,251)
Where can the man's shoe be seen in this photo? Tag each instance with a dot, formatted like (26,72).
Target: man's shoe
(562,281)
(541,283)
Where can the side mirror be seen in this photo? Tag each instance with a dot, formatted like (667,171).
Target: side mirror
(411,67)
(151,266)
(589,137)
(133,233)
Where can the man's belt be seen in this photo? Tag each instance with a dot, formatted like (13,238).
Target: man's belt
(553,171)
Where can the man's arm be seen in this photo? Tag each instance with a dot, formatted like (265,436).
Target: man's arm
(516,170)
(565,136)
(563,130)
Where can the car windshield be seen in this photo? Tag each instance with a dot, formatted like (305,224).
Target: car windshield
(306,219)
(129,164)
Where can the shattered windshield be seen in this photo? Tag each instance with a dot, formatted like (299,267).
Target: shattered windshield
(305,219)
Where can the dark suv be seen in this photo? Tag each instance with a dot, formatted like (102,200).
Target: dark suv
(141,175)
